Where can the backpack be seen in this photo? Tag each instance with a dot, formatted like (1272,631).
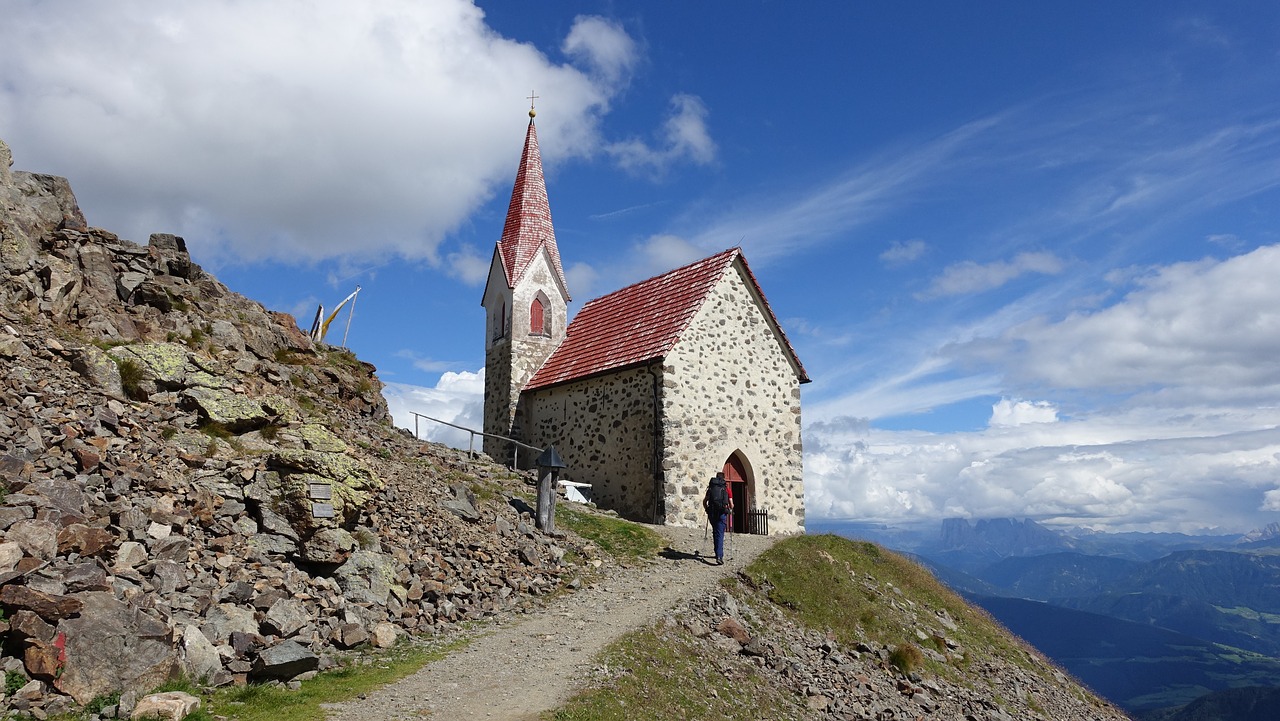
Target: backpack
(717,499)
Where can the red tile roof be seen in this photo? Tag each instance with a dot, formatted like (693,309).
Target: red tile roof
(528,227)
(642,322)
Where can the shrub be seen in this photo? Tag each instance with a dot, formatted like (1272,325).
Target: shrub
(13,680)
(906,658)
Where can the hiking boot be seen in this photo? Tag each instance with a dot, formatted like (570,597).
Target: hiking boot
(719,561)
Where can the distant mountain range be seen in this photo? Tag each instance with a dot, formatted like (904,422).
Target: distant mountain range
(1153,621)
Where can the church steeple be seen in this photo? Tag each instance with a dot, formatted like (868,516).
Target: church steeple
(528,228)
(525,299)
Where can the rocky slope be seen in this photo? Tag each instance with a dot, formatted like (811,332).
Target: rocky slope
(191,486)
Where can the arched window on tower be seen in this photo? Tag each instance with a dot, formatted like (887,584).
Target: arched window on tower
(500,328)
(538,318)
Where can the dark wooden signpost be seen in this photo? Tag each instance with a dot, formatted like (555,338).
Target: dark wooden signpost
(549,465)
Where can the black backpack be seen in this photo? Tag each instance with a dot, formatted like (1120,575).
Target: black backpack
(717,499)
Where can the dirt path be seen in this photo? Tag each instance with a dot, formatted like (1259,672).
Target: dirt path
(533,663)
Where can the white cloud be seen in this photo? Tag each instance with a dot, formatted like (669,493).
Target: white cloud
(1207,329)
(457,398)
(290,131)
(1009,412)
(900,252)
(469,266)
(603,46)
(1175,421)
(970,277)
(684,137)
(1167,482)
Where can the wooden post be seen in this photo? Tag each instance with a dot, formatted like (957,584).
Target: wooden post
(547,501)
(549,465)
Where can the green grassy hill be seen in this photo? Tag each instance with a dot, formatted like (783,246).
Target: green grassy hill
(824,627)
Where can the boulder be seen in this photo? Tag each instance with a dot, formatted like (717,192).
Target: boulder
(200,659)
(48,606)
(167,706)
(35,537)
(367,577)
(286,617)
(112,645)
(329,546)
(233,412)
(99,369)
(224,619)
(283,661)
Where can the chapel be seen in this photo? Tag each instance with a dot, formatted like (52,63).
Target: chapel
(652,389)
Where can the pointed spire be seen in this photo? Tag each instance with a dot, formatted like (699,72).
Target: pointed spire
(528,227)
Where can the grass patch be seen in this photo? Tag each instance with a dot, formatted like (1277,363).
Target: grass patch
(341,358)
(275,703)
(99,703)
(665,673)
(288,357)
(906,658)
(859,591)
(618,538)
(131,377)
(306,404)
(216,430)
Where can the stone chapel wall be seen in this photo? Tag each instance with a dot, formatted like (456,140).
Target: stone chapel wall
(603,429)
(730,387)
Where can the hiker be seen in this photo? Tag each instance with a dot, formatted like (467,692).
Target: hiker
(719,505)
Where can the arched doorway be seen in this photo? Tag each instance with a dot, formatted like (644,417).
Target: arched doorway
(735,474)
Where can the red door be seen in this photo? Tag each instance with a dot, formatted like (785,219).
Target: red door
(735,474)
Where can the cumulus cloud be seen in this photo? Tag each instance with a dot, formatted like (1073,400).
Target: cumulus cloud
(1181,431)
(1179,483)
(1202,329)
(969,277)
(457,398)
(295,132)
(684,137)
(1009,412)
(603,47)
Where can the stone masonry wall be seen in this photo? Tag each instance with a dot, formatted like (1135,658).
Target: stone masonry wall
(603,430)
(729,386)
(510,361)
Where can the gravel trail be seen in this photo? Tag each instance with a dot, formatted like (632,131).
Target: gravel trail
(534,662)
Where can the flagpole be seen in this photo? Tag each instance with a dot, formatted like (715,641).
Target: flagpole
(350,315)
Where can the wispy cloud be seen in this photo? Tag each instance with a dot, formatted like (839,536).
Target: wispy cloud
(970,277)
(903,252)
(817,215)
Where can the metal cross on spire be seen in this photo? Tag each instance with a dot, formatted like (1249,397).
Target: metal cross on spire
(532,97)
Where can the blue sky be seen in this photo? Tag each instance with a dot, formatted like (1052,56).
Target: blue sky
(1027,251)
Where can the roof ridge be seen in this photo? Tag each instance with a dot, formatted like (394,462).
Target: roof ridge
(686,266)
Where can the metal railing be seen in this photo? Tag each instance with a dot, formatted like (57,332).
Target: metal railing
(471,441)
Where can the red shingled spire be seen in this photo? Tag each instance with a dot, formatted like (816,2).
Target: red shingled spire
(528,226)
